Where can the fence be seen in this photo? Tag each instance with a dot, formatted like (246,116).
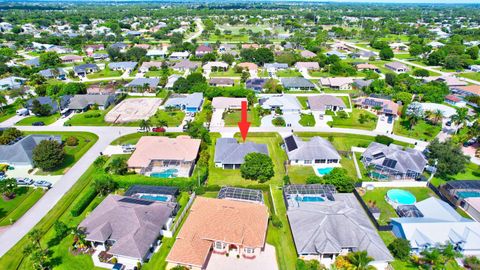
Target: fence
(440,195)
(382,228)
(398,184)
(182,215)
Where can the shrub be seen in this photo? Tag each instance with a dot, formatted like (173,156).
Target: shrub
(257,166)
(383,139)
(278,122)
(342,114)
(400,248)
(83,202)
(71,141)
(48,155)
(92,115)
(276,222)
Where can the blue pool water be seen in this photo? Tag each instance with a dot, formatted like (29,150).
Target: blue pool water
(152,197)
(401,196)
(324,171)
(165,174)
(468,194)
(309,199)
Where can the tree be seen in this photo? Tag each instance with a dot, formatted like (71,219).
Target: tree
(421,73)
(61,229)
(460,117)
(400,248)
(8,187)
(48,155)
(135,54)
(340,179)
(272,86)
(257,166)
(414,112)
(383,139)
(245,76)
(39,256)
(118,165)
(41,109)
(360,260)
(3,102)
(449,158)
(386,53)
(228,58)
(145,125)
(49,59)
(473,52)
(104,184)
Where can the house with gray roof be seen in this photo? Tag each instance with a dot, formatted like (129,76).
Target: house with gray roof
(34,62)
(256,84)
(119,46)
(122,66)
(12,82)
(324,229)
(144,83)
(189,103)
(337,53)
(83,70)
(53,73)
(273,67)
(297,83)
(84,102)
(64,101)
(20,152)
(127,228)
(392,162)
(229,154)
(286,103)
(361,83)
(322,103)
(221,82)
(316,151)
(397,67)
(184,65)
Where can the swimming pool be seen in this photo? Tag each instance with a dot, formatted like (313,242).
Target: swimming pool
(324,171)
(468,194)
(165,174)
(309,199)
(153,197)
(400,196)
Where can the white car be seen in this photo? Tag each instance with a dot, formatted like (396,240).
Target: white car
(42,183)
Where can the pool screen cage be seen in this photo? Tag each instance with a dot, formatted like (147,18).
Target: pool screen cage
(244,194)
(408,211)
(459,185)
(313,189)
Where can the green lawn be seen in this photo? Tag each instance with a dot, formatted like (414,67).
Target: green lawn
(303,102)
(471,75)
(12,210)
(377,196)
(6,112)
(307,120)
(353,120)
(89,118)
(288,73)
(229,73)
(346,100)
(105,73)
(299,174)
(72,153)
(232,118)
(219,176)
(173,118)
(28,121)
(421,131)
(470,169)
(205,114)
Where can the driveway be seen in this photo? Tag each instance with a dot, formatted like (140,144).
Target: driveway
(217,118)
(11,121)
(383,127)
(266,260)
(22,171)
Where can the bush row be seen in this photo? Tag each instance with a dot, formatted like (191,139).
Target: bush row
(83,202)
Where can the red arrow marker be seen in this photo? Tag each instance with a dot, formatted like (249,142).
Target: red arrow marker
(244,125)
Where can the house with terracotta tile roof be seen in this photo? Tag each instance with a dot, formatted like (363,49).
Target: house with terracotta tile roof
(366,66)
(248,66)
(165,157)
(307,66)
(337,83)
(464,91)
(385,106)
(215,227)
(202,50)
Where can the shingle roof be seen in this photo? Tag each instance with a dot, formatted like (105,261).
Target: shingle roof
(84,67)
(20,153)
(51,73)
(193,100)
(186,64)
(140,82)
(284,102)
(327,227)
(122,65)
(296,82)
(409,159)
(315,148)
(80,102)
(133,226)
(229,151)
(320,102)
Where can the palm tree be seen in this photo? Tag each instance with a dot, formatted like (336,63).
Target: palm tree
(3,101)
(437,116)
(145,125)
(460,118)
(432,257)
(79,236)
(8,187)
(360,260)
(412,120)
(162,123)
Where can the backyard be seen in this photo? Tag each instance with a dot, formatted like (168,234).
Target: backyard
(421,131)
(355,119)
(12,210)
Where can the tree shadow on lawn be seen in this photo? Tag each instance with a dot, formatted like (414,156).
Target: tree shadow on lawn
(3,213)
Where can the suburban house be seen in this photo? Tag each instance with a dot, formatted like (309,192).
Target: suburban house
(229,154)
(323,103)
(337,83)
(361,83)
(455,101)
(191,103)
(398,46)
(382,106)
(435,44)
(84,102)
(304,66)
(102,89)
(71,59)
(274,67)
(215,66)
(221,82)
(397,67)
(185,65)
(331,226)
(390,162)
(227,103)
(465,91)
(53,73)
(146,66)
(155,53)
(297,83)
(216,227)
(248,66)
(12,82)
(33,62)
(437,224)
(122,66)
(99,56)
(202,50)
(227,49)
(179,55)
(457,192)
(286,103)
(337,53)
(20,152)
(366,66)
(64,101)
(317,151)
(256,84)
(90,49)
(165,157)
(475,68)
(127,228)
(83,70)
(307,54)
(450,81)
(146,84)
(362,54)
(119,46)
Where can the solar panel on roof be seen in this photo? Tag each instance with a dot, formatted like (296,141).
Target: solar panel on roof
(389,163)
(378,155)
(291,144)
(135,201)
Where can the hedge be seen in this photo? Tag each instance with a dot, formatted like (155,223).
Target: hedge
(83,202)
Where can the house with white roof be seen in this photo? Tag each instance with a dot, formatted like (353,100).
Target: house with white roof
(179,55)
(286,103)
(190,102)
(337,83)
(437,225)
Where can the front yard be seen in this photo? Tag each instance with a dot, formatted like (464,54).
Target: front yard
(89,118)
(12,210)
(289,73)
(47,120)
(6,112)
(105,73)
(421,131)
(232,118)
(357,119)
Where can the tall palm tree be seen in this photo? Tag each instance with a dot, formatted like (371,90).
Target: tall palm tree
(145,125)
(360,260)
(3,101)
(162,123)
(437,116)
(460,118)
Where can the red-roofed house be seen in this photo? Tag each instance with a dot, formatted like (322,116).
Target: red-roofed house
(202,50)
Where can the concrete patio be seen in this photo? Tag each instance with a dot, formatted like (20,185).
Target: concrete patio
(266,260)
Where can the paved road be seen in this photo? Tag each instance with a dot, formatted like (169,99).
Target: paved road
(199,31)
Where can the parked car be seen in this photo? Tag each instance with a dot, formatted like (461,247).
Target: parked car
(449,123)
(390,119)
(24,181)
(470,142)
(42,183)
(158,129)
(39,123)
(22,112)
(128,148)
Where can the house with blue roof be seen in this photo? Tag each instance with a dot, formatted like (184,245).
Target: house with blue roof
(20,152)
(229,154)
(123,66)
(191,103)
